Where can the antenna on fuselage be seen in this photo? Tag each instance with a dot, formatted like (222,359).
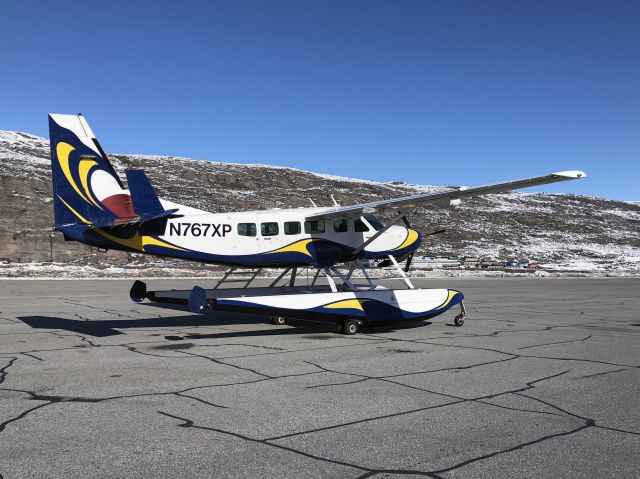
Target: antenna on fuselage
(313,203)
(335,203)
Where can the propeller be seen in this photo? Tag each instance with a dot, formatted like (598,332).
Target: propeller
(407,265)
(431,233)
(408,256)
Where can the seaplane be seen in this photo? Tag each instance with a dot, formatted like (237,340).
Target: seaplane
(93,206)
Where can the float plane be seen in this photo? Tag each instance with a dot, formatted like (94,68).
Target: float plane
(92,206)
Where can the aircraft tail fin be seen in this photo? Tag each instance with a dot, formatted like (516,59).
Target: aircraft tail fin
(143,196)
(146,203)
(86,188)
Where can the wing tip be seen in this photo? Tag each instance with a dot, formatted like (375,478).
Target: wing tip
(571,174)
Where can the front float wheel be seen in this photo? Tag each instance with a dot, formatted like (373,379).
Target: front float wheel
(458,320)
(350,327)
(278,320)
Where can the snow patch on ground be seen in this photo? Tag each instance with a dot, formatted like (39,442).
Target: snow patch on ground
(61,271)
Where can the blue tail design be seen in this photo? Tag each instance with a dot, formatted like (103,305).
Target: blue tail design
(86,188)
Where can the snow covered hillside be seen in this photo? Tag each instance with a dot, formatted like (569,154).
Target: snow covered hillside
(567,231)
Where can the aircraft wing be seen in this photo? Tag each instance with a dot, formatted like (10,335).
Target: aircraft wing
(406,203)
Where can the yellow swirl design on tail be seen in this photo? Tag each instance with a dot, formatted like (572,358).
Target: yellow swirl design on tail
(63,150)
(85,166)
(78,215)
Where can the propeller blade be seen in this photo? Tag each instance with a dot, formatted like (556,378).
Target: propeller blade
(408,263)
(384,263)
(387,262)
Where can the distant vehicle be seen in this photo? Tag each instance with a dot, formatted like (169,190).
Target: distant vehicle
(92,206)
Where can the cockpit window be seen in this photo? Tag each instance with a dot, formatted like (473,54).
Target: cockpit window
(375,222)
(313,227)
(359,226)
(340,226)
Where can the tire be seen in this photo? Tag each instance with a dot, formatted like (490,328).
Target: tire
(350,327)
(459,320)
(278,320)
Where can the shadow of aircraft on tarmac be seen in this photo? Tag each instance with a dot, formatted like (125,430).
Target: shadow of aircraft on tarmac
(112,327)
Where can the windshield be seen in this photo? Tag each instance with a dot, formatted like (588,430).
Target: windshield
(373,221)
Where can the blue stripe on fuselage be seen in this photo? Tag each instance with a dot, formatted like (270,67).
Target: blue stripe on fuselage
(322,252)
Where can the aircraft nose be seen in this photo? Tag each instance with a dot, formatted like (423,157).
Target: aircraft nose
(409,238)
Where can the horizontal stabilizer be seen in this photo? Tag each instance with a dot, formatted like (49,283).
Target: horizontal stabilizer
(108,223)
(145,202)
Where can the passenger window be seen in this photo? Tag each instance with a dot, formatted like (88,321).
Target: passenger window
(314,227)
(292,227)
(246,229)
(269,229)
(340,226)
(359,225)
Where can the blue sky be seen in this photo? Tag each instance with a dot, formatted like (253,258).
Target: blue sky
(460,92)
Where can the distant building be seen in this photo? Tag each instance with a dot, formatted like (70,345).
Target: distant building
(516,263)
(471,262)
(489,263)
(438,263)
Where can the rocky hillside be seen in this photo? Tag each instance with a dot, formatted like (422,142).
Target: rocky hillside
(568,231)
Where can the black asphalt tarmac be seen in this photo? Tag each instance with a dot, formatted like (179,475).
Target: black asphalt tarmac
(542,381)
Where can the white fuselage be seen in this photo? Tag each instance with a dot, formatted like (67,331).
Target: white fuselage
(252,232)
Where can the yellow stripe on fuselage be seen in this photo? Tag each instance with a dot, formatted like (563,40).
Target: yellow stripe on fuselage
(297,247)
(137,242)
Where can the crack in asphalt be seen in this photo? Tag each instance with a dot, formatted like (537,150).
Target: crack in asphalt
(478,348)
(370,472)
(364,341)
(188,423)
(590,421)
(413,373)
(4,370)
(438,472)
(458,400)
(601,374)
(556,342)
